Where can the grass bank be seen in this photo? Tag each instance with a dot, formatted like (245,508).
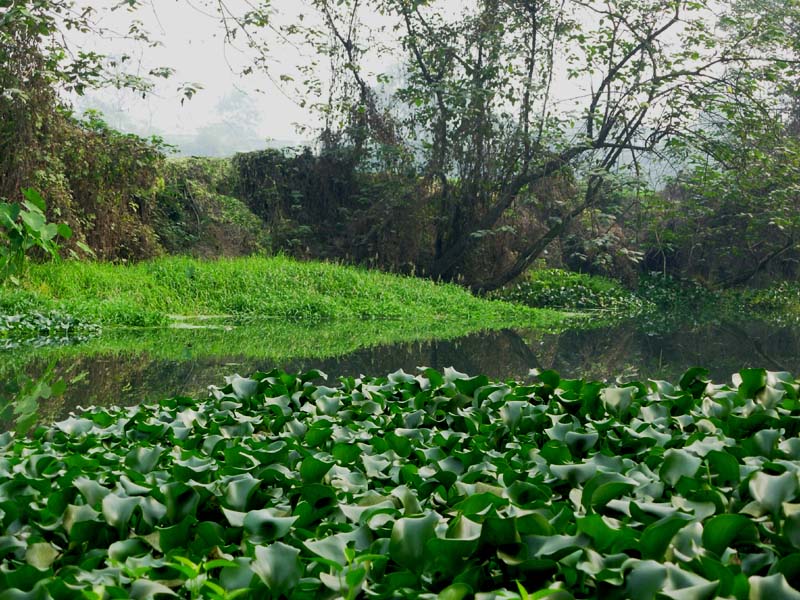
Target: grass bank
(150,293)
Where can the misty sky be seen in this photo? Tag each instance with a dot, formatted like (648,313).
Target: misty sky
(193,45)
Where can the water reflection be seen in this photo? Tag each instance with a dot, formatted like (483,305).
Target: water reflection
(624,351)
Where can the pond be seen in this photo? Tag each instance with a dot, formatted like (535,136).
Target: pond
(129,367)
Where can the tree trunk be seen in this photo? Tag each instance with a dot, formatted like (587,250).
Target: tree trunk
(445,266)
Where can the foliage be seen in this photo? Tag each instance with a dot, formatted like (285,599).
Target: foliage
(559,289)
(413,486)
(730,215)
(475,109)
(43,26)
(23,228)
(268,288)
(97,180)
(197,212)
(20,398)
(326,205)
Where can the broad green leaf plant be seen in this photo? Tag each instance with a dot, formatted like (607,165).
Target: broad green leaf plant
(22,228)
(428,486)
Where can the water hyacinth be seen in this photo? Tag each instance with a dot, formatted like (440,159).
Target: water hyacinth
(427,485)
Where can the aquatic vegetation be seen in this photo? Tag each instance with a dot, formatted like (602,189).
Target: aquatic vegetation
(434,485)
(564,290)
(43,329)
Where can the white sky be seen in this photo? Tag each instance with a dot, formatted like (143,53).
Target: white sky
(193,45)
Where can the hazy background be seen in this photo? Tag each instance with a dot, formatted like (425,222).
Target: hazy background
(230,113)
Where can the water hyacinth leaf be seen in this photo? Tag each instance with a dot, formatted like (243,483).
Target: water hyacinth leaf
(143,589)
(617,401)
(409,537)
(92,491)
(117,510)
(239,577)
(580,443)
(724,465)
(771,491)
(75,516)
(551,594)
(548,377)
(678,463)
(721,531)
(792,529)
(75,427)
(334,548)
(239,490)
(657,536)
(603,488)
(264,526)
(408,488)
(694,380)
(574,474)
(278,566)
(789,567)
(772,587)
(313,469)
(455,591)
(750,382)
(143,459)
(465,384)
(181,501)
(243,387)
(121,550)
(605,536)
(770,397)
(174,536)
(41,555)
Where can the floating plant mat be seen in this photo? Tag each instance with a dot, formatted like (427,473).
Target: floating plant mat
(434,485)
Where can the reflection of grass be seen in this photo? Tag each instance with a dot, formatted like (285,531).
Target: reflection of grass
(273,340)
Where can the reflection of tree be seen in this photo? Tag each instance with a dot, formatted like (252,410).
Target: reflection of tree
(132,376)
(747,340)
(520,348)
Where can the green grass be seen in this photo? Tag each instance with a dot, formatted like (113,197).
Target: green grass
(148,293)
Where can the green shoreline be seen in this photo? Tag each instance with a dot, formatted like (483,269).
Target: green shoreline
(147,293)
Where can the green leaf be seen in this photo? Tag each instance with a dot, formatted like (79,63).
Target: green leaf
(771,588)
(617,401)
(35,198)
(64,231)
(117,510)
(409,537)
(143,589)
(278,566)
(721,531)
(657,536)
(603,488)
(751,382)
(314,468)
(264,526)
(41,555)
(243,387)
(771,491)
(678,463)
(455,591)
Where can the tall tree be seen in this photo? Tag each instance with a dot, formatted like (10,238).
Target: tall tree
(499,96)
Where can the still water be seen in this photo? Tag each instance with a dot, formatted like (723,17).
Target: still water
(622,352)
